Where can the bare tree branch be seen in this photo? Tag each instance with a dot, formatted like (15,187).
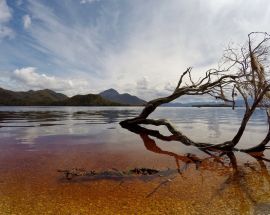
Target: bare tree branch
(244,70)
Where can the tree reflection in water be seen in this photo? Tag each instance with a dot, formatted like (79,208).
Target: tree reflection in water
(250,181)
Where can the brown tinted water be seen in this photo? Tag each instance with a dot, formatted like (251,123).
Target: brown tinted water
(36,142)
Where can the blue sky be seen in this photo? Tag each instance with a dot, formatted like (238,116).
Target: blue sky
(135,46)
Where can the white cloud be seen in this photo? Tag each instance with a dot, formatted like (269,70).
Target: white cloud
(5,17)
(123,42)
(6,32)
(142,83)
(73,48)
(26,21)
(87,1)
(169,87)
(166,38)
(5,13)
(28,78)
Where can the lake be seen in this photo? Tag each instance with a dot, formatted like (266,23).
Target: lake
(35,142)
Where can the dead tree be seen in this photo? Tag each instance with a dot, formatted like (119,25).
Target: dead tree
(243,72)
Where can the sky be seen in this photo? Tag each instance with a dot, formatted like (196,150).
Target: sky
(135,46)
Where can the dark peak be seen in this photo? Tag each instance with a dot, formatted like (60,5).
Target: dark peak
(36,91)
(48,90)
(110,91)
(125,98)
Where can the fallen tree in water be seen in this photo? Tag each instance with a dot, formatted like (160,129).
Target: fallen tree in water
(244,72)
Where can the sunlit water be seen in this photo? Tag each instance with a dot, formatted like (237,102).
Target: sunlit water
(36,141)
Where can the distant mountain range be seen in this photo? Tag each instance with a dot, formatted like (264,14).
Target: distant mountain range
(39,97)
(48,97)
(113,95)
(108,97)
(86,100)
(238,103)
(197,104)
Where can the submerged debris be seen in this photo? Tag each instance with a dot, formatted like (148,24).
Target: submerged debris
(143,171)
(76,172)
(69,174)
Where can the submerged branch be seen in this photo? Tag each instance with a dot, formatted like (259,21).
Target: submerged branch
(75,172)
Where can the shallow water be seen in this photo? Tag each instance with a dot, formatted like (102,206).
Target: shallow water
(36,141)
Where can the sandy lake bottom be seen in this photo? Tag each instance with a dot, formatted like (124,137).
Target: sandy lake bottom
(36,142)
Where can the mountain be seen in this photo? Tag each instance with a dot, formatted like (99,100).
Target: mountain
(48,97)
(31,97)
(86,100)
(113,95)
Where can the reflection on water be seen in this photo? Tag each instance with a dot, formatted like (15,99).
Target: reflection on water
(26,124)
(249,182)
(36,141)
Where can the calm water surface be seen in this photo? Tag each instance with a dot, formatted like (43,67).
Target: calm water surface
(36,141)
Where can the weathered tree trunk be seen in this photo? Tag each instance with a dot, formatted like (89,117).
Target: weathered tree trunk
(242,128)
